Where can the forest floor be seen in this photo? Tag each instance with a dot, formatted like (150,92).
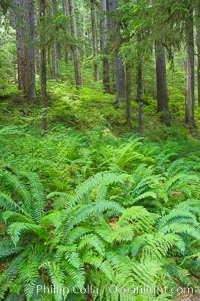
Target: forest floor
(87,134)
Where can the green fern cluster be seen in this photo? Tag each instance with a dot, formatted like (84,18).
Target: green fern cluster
(90,238)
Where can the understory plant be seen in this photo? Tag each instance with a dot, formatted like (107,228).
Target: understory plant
(94,243)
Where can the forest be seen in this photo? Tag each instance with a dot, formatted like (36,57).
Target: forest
(99,150)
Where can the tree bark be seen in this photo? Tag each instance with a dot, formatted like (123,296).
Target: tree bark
(128,93)
(115,42)
(189,105)
(66,13)
(21,48)
(140,97)
(25,36)
(103,44)
(31,84)
(198,51)
(43,67)
(161,80)
(74,47)
(120,78)
(95,39)
(56,47)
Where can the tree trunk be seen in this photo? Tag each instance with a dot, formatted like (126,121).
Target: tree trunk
(103,44)
(189,105)
(128,93)
(56,48)
(198,51)
(120,78)
(66,13)
(115,42)
(43,66)
(161,80)
(21,48)
(25,37)
(95,39)
(74,47)
(84,31)
(54,62)
(140,97)
(31,85)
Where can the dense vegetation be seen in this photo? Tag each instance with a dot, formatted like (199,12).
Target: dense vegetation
(99,178)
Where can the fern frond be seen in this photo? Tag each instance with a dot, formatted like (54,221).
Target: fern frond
(38,195)
(20,190)
(7,248)
(92,240)
(56,276)
(76,233)
(186,228)
(95,181)
(52,219)
(139,217)
(13,266)
(90,210)
(15,217)
(7,203)
(158,245)
(29,274)
(16,228)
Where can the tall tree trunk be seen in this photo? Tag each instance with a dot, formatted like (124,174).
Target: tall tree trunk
(103,44)
(95,39)
(189,105)
(31,85)
(140,96)
(75,50)
(21,48)
(198,51)
(25,37)
(43,66)
(120,78)
(56,47)
(66,13)
(161,80)
(84,31)
(115,41)
(54,62)
(128,68)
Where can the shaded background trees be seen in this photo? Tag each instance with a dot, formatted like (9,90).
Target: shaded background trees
(106,34)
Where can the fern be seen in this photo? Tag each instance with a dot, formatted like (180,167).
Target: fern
(7,248)
(38,195)
(92,241)
(95,181)
(20,189)
(16,228)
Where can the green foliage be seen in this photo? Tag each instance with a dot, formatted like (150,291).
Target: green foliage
(134,225)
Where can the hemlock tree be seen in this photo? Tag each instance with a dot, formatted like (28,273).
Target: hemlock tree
(114,46)
(140,89)
(161,81)
(25,38)
(189,105)
(104,45)
(43,76)
(94,24)
(74,46)
(67,28)
(198,48)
